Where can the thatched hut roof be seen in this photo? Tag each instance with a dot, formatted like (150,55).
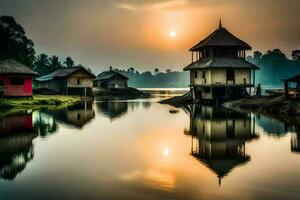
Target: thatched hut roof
(221,37)
(11,66)
(64,72)
(109,74)
(295,79)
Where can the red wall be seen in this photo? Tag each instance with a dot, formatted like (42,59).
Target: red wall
(16,124)
(17,90)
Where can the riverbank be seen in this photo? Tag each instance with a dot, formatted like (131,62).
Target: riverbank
(267,105)
(38,101)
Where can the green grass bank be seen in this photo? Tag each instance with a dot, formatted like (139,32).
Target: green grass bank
(38,101)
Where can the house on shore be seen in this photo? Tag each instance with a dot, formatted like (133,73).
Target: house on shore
(111,80)
(292,86)
(68,81)
(15,79)
(219,70)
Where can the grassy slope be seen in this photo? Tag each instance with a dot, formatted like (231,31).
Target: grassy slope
(38,101)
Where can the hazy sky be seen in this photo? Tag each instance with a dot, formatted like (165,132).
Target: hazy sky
(123,33)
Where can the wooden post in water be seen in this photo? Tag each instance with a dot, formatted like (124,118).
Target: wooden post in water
(286,89)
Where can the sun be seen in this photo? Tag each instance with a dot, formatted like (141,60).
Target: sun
(166,152)
(172,34)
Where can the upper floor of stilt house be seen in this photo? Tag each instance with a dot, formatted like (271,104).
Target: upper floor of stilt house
(221,43)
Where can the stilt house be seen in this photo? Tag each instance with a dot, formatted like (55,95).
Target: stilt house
(219,70)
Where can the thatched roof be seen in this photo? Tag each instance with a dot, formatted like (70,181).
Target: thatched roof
(220,62)
(221,37)
(222,167)
(64,72)
(11,66)
(109,74)
(295,79)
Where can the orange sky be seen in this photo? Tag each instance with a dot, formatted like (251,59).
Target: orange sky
(99,33)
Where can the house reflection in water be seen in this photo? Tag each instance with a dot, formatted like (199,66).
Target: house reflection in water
(16,147)
(295,142)
(218,138)
(117,107)
(112,109)
(77,115)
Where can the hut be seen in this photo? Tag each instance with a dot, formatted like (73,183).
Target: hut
(219,70)
(292,86)
(219,138)
(111,80)
(69,81)
(15,79)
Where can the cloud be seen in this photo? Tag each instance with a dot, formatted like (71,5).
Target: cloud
(133,5)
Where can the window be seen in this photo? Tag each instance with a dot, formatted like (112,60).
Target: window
(16,81)
(230,74)
(78,81)
(195,74)
(203,74)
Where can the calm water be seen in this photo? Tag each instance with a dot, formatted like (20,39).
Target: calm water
(138,149)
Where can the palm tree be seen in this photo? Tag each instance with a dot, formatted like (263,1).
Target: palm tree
(69,62)
(54,62)
(41,64)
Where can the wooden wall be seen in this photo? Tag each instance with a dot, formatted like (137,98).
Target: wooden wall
(114,82)
(24,90)
(85,80)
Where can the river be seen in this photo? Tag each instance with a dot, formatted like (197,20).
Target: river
(140,149)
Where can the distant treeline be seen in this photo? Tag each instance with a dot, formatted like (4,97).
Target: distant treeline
(156,79)
(274,65)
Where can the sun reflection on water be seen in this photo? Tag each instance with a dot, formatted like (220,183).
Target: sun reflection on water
(166,152)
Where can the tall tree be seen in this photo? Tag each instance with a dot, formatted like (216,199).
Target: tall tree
(14,42)
(41,64)
(54,62)
(69,62)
